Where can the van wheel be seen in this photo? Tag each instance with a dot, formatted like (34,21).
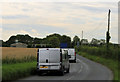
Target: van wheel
(39,73)
(62,73)
(74,61)
(68,70)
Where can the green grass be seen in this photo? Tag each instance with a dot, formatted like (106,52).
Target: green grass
(17,70)
(13,60)
(110,63)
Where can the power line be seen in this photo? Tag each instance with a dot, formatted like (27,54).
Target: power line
(95,29)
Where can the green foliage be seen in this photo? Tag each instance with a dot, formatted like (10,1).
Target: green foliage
(15,60)
(66,39)
(112,52)
(18,70)
(61,39)
(14,68)
(21,38)
(54,41)
(31,41)
(37,40)
(106,56)
(75,40)
(94,41)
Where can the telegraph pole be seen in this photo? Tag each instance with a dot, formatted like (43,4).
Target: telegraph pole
(108,33)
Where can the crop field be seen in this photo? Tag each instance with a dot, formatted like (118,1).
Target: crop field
(18,52)
(14,55)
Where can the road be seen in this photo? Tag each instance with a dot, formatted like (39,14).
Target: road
(83,69)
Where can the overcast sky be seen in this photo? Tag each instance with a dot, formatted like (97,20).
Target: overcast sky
(39,19)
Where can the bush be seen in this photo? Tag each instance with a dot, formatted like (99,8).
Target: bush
(112,52)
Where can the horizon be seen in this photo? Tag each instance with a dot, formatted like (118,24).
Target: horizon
(64,18)
(54,33)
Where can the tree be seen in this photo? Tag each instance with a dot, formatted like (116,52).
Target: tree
(76,40)
(37,41)
(54,41)
(94,42)
(31,41)
(66,39)
(84,41)
(21,38)
(102,41)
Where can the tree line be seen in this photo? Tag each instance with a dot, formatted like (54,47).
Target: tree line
(53,40)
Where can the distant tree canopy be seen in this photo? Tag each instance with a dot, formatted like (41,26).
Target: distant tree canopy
(61,39)
(75,41)
(97,42)
(53,39)
(84,41)
(66,39)
(21,38)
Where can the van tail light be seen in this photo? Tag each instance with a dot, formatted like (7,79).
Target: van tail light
(60,56)
(38,55)
(75,53)
(60,59)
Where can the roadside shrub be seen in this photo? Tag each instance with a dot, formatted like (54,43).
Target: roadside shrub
(112,52)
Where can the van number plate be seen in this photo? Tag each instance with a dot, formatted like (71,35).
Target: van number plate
(43,66)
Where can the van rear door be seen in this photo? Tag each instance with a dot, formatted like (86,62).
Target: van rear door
(54,56)
(44,56)
(71,52)
(54,59)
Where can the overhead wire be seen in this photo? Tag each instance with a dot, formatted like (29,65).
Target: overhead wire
(93,32)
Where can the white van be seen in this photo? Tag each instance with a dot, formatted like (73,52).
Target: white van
(72,53)
(53,59)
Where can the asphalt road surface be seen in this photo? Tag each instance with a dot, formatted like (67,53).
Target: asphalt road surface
(83,69)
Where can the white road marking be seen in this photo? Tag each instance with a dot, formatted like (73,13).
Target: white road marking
(80,68)
(83,63)
(70,78)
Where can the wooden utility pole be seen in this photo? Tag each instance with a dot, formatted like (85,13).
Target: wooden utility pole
(108,34)
(109,20)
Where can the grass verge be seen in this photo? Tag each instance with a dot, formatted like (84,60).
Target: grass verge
(14,60)
(112,64)
(17,70)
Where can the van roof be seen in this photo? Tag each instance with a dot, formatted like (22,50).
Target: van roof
(49,48)
(67,48)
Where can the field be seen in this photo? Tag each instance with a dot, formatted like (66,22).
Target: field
(18,62)
(18,52)
(15,55)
